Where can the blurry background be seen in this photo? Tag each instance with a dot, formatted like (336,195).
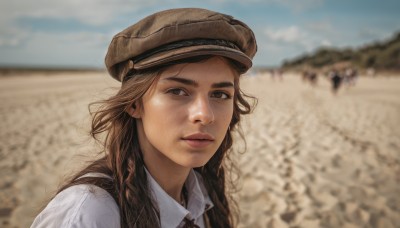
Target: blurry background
(322,146)
(76,34)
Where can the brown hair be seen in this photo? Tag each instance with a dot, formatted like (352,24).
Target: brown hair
(116,130)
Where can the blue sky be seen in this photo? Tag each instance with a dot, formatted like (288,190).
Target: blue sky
(76,33)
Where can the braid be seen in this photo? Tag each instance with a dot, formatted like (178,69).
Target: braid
(213,174)
(137,208)
(219,215)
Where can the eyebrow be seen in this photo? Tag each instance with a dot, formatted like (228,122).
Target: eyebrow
(196,84)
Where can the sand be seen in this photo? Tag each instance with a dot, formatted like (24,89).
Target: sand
(313,159)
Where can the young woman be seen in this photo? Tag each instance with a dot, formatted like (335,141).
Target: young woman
(167,132)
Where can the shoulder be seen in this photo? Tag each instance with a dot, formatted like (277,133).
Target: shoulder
(80,206)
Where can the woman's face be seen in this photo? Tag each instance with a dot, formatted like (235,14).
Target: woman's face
(186,113)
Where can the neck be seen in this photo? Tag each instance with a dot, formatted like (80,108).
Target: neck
(170,179)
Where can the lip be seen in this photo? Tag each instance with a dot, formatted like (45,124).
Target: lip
(198,140)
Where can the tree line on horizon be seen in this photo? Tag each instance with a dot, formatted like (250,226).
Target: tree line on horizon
(383,55)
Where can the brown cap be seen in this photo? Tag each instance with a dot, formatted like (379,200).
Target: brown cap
(176,34)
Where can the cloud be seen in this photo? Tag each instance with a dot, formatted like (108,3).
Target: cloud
(92,12)
(12,36)
(295,35)
(297,5)
(284,42)
(326,43)
(324,27)
(59,49)
(300,5)
(290,34)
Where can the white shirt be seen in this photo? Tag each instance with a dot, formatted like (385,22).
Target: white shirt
(89,206)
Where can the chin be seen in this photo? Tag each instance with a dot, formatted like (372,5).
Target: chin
(194,162)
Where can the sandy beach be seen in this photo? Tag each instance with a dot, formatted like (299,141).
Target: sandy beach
(313,159)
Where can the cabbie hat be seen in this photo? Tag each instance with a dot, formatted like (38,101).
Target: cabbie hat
(176,34)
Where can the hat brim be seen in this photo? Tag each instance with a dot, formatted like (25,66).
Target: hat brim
(192,51)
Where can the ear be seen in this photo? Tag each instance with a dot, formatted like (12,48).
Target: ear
(134,110)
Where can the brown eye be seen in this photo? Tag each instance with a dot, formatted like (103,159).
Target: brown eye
(178,92)
(220,95)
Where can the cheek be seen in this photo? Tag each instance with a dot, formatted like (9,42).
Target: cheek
(224,113)
(159,119)
(154,111)
(162,112)
(156,130)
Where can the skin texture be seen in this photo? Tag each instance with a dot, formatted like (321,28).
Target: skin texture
(186,105)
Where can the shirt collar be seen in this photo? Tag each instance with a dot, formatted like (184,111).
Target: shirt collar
(171,212)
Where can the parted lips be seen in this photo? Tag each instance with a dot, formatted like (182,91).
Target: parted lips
(176,34)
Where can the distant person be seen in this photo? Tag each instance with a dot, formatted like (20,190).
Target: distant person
(351,76)
(336,80)
(347,76)
(310,77)
(167,131)
(354,77)
(313,78)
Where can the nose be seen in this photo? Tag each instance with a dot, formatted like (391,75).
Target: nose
(201,111)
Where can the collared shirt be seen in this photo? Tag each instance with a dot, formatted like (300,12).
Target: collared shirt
(172,213)
(89,206)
